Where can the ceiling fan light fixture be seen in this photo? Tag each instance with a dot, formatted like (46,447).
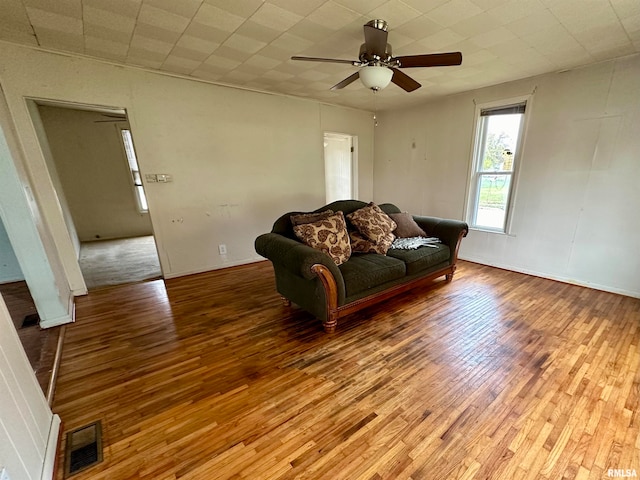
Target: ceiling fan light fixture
(375,77)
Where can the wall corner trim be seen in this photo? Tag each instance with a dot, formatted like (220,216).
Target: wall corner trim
(63,319)
(51,453)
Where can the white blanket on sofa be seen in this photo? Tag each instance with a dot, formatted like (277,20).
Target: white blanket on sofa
(411,243)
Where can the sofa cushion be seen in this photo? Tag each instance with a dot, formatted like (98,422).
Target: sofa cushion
(421,258)
(372,222)
(406,226)
(365,271)
(329,235)
(363,245)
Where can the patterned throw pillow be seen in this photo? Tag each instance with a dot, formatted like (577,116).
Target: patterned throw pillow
(372,222)
(328,235)
(362,245)
(407,226)
(302,218)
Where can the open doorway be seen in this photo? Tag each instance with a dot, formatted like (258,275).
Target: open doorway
(340,166)
(94,169)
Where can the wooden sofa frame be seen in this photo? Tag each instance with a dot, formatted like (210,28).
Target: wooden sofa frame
(335,312)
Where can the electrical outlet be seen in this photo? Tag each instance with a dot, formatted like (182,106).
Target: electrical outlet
(222,249)
(4,475)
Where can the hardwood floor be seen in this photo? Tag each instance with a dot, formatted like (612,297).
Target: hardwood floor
(39,344)
(496,375)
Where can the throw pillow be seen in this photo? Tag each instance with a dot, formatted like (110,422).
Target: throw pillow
(328,235)
(302,218)
(372,222)
(407,226)
(360,244)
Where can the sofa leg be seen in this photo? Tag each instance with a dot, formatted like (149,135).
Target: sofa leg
(286,302)
(449,276)
(330,324)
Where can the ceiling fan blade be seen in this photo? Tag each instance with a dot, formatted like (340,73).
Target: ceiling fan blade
(404,81)
(329,60)
(376,40)
(430,60)
(346,81)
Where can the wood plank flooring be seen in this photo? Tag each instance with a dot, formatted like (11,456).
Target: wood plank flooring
(39,344)
(497,375)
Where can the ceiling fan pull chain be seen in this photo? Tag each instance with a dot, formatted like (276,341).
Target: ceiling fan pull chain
(375,109)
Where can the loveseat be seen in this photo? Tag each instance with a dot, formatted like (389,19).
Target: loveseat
(331,288)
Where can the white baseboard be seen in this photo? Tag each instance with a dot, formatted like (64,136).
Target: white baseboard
(212,268)
(68,317)
(558,278)
(51,452)
(80,292)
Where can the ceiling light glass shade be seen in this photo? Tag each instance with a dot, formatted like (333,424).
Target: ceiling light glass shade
(375,77)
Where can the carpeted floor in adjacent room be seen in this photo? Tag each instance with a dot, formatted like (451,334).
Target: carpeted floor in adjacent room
(114,262)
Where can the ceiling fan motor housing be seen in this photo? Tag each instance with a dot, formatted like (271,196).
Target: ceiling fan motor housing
(368,58)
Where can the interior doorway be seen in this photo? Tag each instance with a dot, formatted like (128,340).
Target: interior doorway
(340,166)
(93,165)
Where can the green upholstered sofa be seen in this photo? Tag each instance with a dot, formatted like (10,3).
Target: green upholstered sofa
(310,278)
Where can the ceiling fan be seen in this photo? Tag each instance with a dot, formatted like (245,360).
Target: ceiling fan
(379,66)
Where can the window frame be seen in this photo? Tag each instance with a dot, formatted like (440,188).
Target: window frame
(132,179)
(477,156)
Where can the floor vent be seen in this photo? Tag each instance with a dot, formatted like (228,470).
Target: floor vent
(83,448)
(30,320)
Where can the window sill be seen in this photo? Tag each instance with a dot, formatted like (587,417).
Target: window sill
(487,230)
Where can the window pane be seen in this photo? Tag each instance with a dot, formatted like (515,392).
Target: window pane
(142,199)
(128,147)
(501,142)
(493,195)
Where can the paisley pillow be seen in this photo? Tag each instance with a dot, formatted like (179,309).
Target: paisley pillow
(372,222)
(302,218)
(362,245)
(328,235)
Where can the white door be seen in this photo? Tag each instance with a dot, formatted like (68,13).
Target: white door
(340,167)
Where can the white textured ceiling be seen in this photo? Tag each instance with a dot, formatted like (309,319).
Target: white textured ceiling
(249,42)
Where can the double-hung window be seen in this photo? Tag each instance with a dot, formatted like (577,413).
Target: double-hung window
(497,142)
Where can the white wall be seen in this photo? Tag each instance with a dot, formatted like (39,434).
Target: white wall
(239,159)
(578,193)
(360,125)
(71,269)
(93,172)
(9,267)
(28,233)
(28,428)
